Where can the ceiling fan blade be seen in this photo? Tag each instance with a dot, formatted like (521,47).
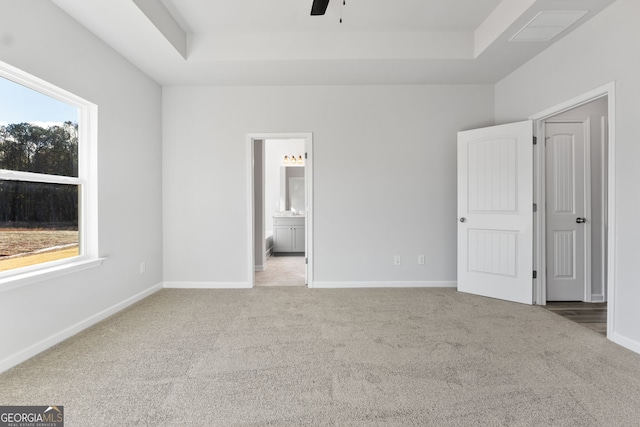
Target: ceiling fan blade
(319,7)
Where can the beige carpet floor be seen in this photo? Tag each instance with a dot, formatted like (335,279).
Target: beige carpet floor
(282,270)
(287,356)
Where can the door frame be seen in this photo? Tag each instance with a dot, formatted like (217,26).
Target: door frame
(308,179)
(586,253)
(539,259)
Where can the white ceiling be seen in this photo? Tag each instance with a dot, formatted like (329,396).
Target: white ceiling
(277,42)
(199,16)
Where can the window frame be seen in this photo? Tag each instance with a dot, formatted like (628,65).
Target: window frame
(86,181)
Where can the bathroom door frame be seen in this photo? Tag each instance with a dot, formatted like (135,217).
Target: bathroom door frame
(308,182)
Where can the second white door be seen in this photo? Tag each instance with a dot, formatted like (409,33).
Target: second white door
(566,210)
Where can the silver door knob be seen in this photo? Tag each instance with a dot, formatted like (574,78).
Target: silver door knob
(463,219)
(581,220)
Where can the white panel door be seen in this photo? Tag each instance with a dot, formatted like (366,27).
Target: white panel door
(495,212)
(565,210)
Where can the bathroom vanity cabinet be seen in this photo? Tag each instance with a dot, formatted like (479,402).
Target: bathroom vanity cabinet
(288,234)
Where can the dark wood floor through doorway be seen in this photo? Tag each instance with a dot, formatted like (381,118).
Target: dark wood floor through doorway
(590,315)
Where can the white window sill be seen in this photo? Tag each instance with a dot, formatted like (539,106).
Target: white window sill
(28,278)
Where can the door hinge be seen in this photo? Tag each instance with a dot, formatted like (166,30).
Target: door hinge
(305,156)
(535,207)
(306,260)
(535,140)
(535,274)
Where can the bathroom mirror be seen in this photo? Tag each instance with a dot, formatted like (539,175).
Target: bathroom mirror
(292,188)
(296,194)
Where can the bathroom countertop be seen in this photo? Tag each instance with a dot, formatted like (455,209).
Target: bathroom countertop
(288,214)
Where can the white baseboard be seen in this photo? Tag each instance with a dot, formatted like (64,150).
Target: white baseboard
(333,285)
(207,285)
(259,268)
(626,342)
(597,298)
(32,350)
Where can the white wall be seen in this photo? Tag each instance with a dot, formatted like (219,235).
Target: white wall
(384,177)
(603,50)
(40,39)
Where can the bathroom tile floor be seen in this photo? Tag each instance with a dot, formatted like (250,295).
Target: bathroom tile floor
(282,271)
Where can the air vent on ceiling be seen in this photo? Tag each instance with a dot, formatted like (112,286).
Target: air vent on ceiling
(547,24)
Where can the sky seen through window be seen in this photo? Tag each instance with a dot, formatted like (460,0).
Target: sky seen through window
(19,104)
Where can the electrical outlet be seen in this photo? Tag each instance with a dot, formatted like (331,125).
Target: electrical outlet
(420,259)
(143,267)
(397,260)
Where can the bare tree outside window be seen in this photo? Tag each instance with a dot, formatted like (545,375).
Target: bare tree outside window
(38,152)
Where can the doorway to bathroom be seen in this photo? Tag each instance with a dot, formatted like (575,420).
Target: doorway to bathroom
(280,209)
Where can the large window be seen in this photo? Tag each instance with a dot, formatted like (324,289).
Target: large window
(45,170)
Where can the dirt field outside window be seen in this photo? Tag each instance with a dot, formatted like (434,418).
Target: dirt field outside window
(25,247)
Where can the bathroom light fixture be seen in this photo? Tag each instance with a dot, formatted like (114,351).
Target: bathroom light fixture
(286,160)
(300,161)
